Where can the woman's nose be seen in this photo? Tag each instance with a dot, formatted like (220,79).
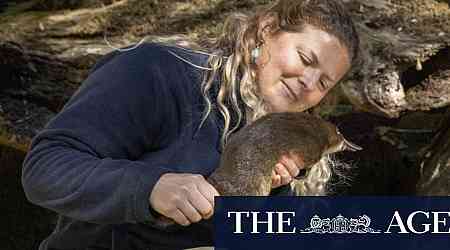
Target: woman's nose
(310,78)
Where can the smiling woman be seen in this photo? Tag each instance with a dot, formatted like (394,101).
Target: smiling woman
(296,70)
(302,39)
(149,123)
(285,57)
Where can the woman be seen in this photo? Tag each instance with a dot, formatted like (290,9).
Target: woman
(148,125)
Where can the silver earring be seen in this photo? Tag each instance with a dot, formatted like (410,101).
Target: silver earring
(255,54)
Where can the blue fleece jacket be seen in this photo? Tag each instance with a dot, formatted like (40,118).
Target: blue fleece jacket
(133,119)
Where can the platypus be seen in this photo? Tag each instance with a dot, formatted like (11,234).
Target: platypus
(251,154)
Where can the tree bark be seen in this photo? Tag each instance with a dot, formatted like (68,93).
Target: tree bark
(405,57)
(35,86)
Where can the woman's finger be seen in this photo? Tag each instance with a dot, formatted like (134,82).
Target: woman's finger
(208,191)
(276,179)
(201,203)
(299,161)
(281,170)
(291,165)
(189,211)
(179,218)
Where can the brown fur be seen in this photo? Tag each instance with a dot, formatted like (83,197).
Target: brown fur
(251,154)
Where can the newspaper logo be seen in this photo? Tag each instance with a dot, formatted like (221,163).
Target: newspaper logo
(340,224)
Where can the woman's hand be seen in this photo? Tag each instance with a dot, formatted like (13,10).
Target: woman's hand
(287,168)
(185,198)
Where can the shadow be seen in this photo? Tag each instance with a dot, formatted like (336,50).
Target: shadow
(438,62)
(24,225)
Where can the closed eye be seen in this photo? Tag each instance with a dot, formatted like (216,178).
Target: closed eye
(324,84)
(305,60)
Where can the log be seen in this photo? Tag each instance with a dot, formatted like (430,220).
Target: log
(36,86)
(405,44)
(405,56)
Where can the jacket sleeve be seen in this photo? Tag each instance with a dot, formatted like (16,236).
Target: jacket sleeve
(85,163)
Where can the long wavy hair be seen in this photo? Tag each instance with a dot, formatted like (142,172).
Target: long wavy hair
(241,33)
(238,100)
(232,63)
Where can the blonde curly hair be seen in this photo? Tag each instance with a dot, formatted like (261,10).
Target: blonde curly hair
(230,62)
(232,59)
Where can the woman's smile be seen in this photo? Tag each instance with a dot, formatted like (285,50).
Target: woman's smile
(290,91)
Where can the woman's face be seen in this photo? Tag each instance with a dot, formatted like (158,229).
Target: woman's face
(296,70)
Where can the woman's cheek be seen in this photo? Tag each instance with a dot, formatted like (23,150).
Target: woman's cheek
(313,98)
(290,67)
